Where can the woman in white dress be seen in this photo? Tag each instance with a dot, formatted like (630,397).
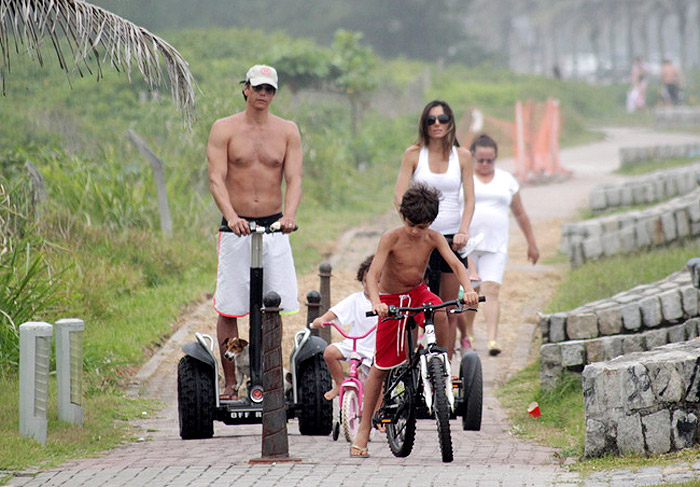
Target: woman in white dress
(496,193)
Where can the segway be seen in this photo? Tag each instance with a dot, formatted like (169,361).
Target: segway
(199,404)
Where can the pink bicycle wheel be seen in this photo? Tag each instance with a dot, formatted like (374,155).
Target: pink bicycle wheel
(351,414)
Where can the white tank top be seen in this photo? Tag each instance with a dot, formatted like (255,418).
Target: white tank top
(450,185)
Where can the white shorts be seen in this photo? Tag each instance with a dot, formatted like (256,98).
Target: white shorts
(345,348)
(232,296)
(490,266)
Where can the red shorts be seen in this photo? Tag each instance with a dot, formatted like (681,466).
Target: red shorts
(391,334)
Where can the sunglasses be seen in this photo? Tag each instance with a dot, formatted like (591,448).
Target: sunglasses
(443,119)
(487,161)
(268,89)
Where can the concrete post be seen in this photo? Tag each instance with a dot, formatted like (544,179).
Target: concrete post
(324,272)
(69,369)
(275,444)
(34,358)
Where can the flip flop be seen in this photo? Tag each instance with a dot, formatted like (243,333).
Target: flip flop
(363,452)
(228,397)
(494,349)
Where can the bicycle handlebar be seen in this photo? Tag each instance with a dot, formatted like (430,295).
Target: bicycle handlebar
(395,310)
(340,330)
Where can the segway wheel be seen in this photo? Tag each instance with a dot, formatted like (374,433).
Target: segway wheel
(196,398)
(316,416)
(472,390)
(336,431)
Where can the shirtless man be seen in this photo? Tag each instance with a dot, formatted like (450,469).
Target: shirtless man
(670,82)
(249,154)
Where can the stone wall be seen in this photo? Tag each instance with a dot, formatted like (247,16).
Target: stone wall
(669,222)
(642,318)
(629,156)
(648,189)
(677,117)
(644,402)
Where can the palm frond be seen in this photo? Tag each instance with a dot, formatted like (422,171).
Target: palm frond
(93,36)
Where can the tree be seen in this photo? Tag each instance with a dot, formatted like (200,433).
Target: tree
(90,36)
(302,64)
(352,70)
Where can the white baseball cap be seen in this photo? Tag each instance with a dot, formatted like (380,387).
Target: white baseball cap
(260,74)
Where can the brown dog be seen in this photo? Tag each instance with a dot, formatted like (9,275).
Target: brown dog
(236,350)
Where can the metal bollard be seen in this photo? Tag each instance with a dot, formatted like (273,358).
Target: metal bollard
(69,369)
(275,443)
(324,272)
(313,307)
(34,357)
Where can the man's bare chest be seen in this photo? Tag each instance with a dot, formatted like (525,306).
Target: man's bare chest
(255,151)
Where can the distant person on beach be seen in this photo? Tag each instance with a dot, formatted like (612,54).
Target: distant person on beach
(671,83)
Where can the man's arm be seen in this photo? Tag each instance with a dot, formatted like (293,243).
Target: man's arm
(293,170)
(217,157)
(516,206)
(467,170)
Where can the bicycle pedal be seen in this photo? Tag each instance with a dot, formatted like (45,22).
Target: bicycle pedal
(383,420)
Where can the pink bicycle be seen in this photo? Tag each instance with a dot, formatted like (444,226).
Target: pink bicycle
(351,390)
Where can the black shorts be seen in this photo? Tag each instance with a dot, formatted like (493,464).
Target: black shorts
(437,265)
(264,221)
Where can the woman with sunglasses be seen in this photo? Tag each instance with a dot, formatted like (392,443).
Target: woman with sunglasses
(437,160)
(496,193)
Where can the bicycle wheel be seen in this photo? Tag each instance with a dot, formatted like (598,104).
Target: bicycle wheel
(350,414)
(399,405)
(441,408)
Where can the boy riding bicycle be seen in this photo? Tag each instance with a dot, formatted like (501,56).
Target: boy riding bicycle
(396,277)
(350,310)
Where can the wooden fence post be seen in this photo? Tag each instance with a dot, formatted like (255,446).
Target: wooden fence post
(324,271)
(275,443)
(313,306)
(166,222)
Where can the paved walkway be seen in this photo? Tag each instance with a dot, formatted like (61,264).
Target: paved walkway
(490,457)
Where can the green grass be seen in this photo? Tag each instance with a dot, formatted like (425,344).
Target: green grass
(561,422)
(115,345)
(106,413)
(650,166)
(607,277)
